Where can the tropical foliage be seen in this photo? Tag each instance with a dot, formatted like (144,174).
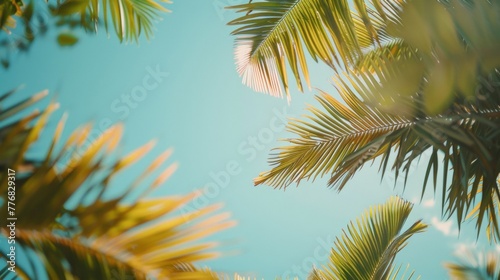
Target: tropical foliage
(128,18)
(366,250)
(483,266)
(419,76)
(23,21)
(71,218)
(276,32)
(413,78)
(492,222)
(370,32)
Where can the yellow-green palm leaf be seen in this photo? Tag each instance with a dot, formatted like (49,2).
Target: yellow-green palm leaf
(274,33)
(337,140)
(367,249)
(66,215)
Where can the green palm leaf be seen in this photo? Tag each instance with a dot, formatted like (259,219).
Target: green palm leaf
(274,32)
(338,139)
(442,37)
(432,84)
(366,250)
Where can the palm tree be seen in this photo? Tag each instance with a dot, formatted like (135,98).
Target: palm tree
(71,222)
(366,250)
(414,76)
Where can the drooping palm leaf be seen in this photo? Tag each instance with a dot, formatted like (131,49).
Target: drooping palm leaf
(484,266)
(423,88)
(275,32)
(338,139)
(367,249)
(65,214)
(492,221)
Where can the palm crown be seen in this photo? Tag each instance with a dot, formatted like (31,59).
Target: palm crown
(414,76)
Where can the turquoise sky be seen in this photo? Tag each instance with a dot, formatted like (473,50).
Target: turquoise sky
(189,96)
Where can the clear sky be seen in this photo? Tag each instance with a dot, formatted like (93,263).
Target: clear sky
(182,88)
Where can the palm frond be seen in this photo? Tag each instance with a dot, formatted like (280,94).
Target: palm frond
(492,216)
(447,56)
(441,36)
(63,257)
(394,50)
(15,131)
(338,139)
(485,266)
(448,48)
(274,32)
(129,18)
(66,216)
(328,139)
(427,89)
(21,23)
(366,250)
(398,274)
(9,9)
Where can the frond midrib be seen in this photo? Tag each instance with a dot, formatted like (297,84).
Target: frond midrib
(278,23)
(406,123)
(382,256)
(370,130)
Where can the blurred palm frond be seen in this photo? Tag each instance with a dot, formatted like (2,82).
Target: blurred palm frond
(80,225)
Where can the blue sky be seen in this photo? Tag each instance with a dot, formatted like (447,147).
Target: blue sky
(189,97)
